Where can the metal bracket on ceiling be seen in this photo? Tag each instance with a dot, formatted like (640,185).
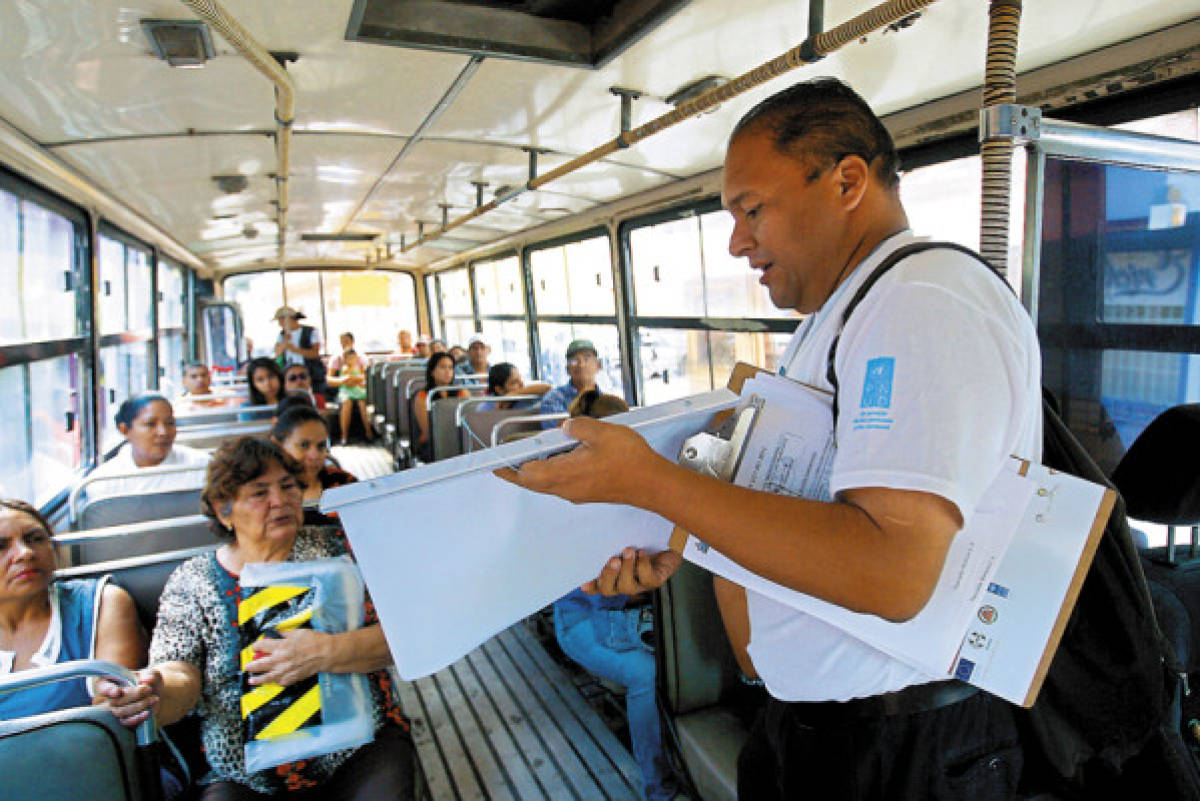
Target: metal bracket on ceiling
(420,228)
(627,97)
(445,207)
(533,154)
(479,187)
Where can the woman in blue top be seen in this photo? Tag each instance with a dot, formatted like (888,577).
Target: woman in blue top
(44,622)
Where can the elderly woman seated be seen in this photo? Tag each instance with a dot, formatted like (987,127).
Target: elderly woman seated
(148,425)
(253,499)
(45,622)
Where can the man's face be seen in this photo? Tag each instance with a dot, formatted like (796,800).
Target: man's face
(785,224)
(297,377)
(197,380)
(478,354)
(287,323)
(583,368)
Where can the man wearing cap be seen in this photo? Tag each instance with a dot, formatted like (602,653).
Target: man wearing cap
(299,344)
(477,357)
(583,365)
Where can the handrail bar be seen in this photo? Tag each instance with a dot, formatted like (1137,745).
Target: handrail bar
(141,472)
(147,730)
(429,399)
(127,529)
(476,400)
(524,418)
(113,565)
(266,410)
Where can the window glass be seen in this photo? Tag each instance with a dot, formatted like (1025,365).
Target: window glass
(220,338)
(10,260)
(257,296)
(139,289)
(666,261)
(458,331)
(170,361)
(170,295)
(48,255)
(431,300)
(575,278)
(509,343)
(372,306)
(456,292)
(16,472)
(111,289)
(124,373)
(54,391)
(552,361)
(676,363)
(498,287)
(942,200)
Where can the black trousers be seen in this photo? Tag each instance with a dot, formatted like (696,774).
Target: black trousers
(966,750)
(381,770)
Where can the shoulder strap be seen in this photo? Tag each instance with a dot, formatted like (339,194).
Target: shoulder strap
(306,332)
(887,264)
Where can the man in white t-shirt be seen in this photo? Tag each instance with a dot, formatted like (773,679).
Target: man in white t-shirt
(939,383)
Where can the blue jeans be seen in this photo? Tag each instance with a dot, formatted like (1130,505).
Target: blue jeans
(608,643)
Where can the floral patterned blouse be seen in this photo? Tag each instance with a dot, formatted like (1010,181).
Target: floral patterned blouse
(197,624)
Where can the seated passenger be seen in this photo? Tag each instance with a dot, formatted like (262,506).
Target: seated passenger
(583,366)
(304,436)
(44,621)
(265,380)
(613,638)
(297,379)
(404,344)
(348,373)
(148,423)
(439,372)
(421,348)
(505,379)
(475,361)
(253,500)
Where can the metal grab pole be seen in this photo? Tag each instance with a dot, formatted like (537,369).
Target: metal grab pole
(999,86)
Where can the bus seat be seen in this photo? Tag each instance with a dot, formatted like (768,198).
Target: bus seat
(142,576)
(519,426)
(75,753)
(444,429)
(477,424)
(209,437)
(408,383)
(697,674)
(120,510)
(136,539)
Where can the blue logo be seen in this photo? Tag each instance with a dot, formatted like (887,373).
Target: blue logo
(877,386)
(997,589)
(964,670)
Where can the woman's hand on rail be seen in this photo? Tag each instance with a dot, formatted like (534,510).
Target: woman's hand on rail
(612,464)
(294,656)
(131,705)
(634,572)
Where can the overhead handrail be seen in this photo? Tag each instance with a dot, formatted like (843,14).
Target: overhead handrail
(524,418)
(146,732)
(811,50)
(478,400)
(285,99)
(141,472)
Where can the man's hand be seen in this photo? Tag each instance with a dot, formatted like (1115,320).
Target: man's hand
(634,572)
(294,656)
(612,464)
(131,705)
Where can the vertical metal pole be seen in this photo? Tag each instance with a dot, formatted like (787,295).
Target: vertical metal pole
(999,86)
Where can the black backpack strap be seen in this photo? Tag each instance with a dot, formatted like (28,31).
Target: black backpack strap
(887,264)
(306,332)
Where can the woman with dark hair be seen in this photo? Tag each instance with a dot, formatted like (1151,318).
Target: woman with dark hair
(147,422)
(439,372)
(505,379)
(265,380)
(253,500)
(304,435)
(44,621)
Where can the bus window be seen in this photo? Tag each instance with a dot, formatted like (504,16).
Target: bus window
(257,295)
(55,425)
(500,299)
(47,305)
(372,306)
(172,348)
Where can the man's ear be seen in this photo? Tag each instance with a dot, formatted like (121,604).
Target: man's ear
(852,175)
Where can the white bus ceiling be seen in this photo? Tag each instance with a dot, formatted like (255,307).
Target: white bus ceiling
(81,84)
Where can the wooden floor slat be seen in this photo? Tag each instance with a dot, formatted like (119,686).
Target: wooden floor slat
(506,722)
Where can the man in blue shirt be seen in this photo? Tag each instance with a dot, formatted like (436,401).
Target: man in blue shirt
(583,365)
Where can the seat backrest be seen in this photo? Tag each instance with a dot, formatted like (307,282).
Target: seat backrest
(68,755)
(122,509)
(1149,475)
(409,382)
(137,539)
(143,577)
(509,431)
(476,431)
(443,428)
(695,663)
(375,372)
(212,436)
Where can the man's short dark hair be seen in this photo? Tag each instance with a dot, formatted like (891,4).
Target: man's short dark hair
(824,120)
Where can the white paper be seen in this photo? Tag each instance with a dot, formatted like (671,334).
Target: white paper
(452,555)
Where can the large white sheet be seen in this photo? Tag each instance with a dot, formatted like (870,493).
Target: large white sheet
(452,555)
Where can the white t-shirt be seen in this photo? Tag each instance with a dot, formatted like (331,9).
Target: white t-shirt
(122,463)
(291,357)
(940,382)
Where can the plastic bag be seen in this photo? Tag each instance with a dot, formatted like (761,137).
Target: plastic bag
(323,713)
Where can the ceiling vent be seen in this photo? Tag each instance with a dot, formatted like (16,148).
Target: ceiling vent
(180,42)
(231,184)
(573,33)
